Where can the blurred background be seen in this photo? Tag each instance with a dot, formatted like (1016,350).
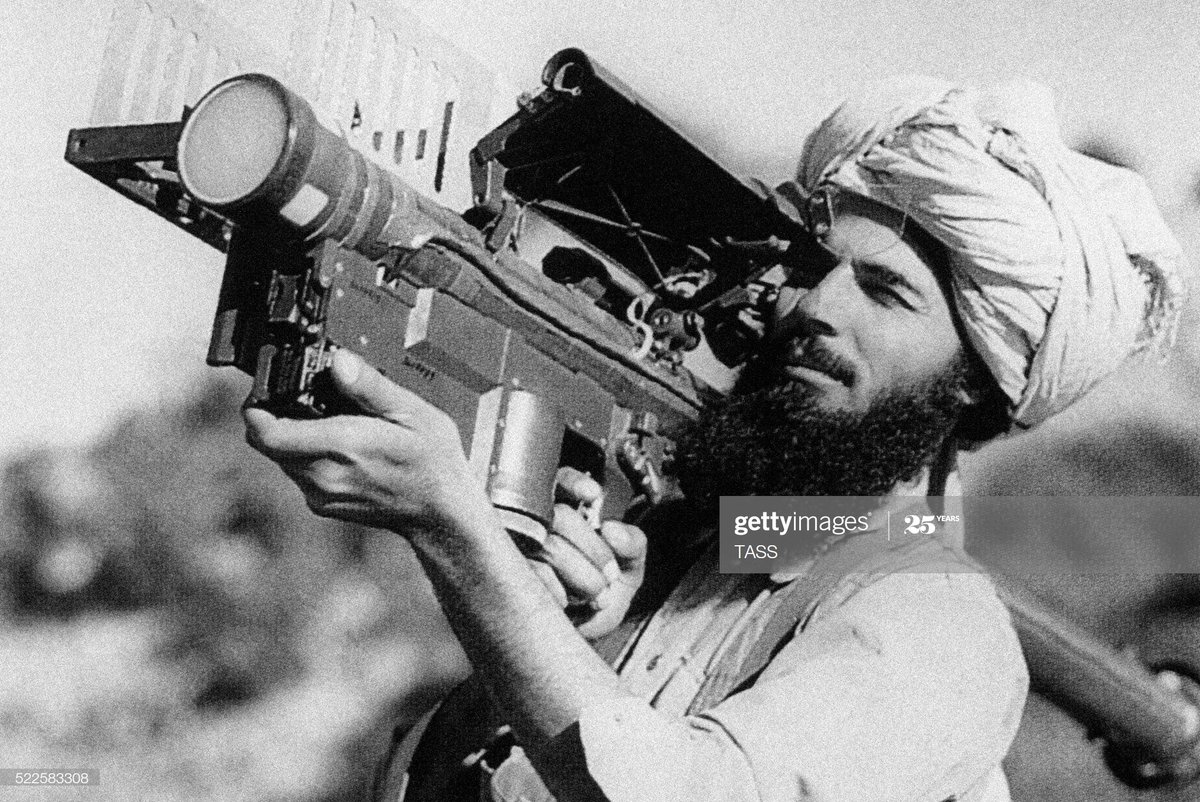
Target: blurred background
(172,615)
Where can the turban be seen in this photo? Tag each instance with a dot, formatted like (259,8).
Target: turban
(1061,265)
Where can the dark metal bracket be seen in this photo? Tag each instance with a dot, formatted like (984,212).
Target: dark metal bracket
(138,161)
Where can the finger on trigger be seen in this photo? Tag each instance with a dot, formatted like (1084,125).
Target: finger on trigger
(576,487)
(580,578)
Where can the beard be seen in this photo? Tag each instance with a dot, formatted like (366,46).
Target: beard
(772,438)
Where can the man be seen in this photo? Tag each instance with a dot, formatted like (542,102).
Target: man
(965,257)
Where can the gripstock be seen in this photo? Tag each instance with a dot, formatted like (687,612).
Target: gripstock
(558,321)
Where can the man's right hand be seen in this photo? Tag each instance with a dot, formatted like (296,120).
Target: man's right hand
(591,571)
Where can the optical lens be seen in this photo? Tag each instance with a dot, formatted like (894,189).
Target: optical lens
(232,142)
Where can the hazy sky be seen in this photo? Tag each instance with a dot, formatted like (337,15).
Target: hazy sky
(106,307)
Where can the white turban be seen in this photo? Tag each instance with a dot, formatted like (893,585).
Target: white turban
(1061,265)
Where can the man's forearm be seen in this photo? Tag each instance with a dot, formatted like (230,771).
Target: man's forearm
(540,671)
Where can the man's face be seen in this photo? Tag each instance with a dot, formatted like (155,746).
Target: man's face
(877,321)
(860,381)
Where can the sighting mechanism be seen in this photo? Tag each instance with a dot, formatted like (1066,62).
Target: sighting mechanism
(590,181)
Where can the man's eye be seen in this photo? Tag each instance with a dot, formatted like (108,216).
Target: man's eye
(885,294)
(882,286)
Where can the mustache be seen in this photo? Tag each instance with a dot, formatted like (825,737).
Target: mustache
(814,354)
(766,368)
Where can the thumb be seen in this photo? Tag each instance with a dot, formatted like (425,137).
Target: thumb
(374,393)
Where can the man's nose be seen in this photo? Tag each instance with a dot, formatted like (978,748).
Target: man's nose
(820,310)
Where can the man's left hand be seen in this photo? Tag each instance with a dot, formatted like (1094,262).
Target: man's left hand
(591,569)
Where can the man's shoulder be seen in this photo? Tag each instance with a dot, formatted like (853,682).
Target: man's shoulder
(924,591)
(927,590)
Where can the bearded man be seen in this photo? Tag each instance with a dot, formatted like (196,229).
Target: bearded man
(969,273)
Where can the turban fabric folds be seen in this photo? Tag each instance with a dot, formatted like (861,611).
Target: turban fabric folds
(1061,265)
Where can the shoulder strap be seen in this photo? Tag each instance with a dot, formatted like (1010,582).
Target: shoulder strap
(745,661)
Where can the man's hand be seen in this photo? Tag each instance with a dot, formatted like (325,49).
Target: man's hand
(592,572)
(399,466)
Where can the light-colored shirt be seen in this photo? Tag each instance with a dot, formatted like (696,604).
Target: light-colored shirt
(905,687)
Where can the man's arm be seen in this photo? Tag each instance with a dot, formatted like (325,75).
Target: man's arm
(401,467)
